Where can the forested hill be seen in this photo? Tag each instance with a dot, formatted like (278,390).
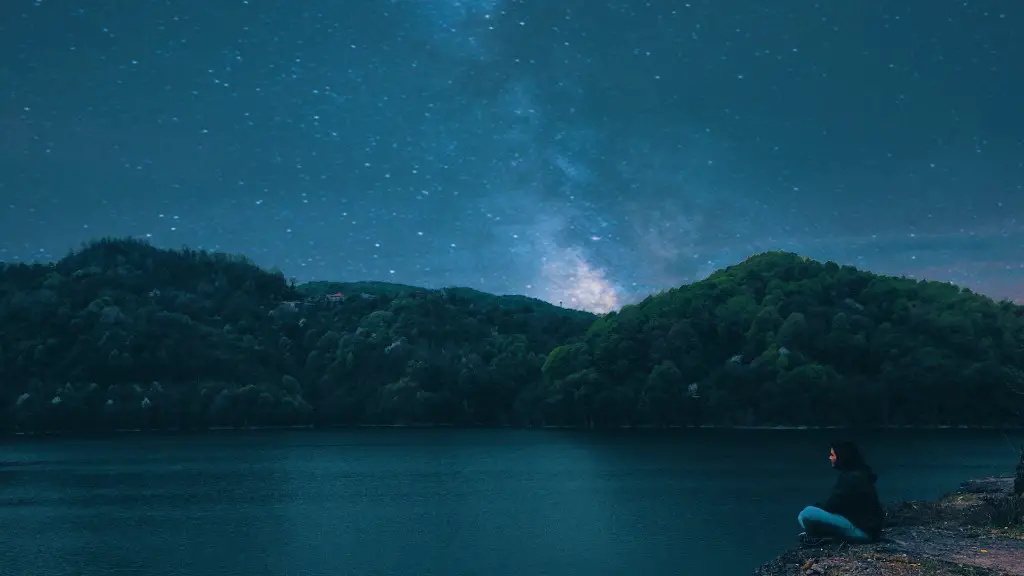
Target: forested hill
(781,339)
(124,335)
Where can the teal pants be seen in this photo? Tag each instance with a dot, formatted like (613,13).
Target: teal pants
(821,524)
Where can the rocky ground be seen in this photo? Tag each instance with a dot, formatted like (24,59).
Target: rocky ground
(976,531)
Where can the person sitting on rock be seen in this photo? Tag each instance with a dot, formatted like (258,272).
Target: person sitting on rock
(853,512)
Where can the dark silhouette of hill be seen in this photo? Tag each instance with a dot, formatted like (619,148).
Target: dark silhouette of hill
(124,335)
(785,340)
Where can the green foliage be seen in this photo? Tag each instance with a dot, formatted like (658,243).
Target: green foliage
(123,335)
(784,340)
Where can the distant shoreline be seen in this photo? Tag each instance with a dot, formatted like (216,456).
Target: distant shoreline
(215,429)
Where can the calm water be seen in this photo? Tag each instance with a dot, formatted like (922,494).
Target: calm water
(439,502)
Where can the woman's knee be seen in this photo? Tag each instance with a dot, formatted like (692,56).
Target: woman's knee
(807,513)
(810,512)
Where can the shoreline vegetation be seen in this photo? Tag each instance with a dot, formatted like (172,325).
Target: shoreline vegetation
(977,530)
(120,335)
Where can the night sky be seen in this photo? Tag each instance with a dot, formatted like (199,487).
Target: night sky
(581,151)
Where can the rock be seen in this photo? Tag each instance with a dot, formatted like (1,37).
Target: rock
(966,532)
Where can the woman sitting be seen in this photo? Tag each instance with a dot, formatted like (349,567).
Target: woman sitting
(853,512)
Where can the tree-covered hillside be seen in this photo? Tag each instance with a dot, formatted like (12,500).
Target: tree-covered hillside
(781,339)
(124,335)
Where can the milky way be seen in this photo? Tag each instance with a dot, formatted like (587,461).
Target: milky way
(584,153)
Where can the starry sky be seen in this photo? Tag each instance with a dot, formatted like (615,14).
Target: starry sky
(577,151)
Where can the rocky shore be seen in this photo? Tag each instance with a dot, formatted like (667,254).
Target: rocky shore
(978,530)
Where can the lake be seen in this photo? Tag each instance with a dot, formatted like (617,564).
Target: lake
(442,502)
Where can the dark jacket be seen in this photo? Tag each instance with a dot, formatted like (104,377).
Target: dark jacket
(855,498)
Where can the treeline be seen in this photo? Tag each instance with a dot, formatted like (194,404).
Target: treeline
(123,335)
(785,340)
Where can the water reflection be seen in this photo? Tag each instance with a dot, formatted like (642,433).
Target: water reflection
(441,501)
(153,505)
(448,502)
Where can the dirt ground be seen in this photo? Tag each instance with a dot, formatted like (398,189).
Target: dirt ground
(975,531)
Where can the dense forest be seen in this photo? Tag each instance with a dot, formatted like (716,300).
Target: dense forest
(122,335)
